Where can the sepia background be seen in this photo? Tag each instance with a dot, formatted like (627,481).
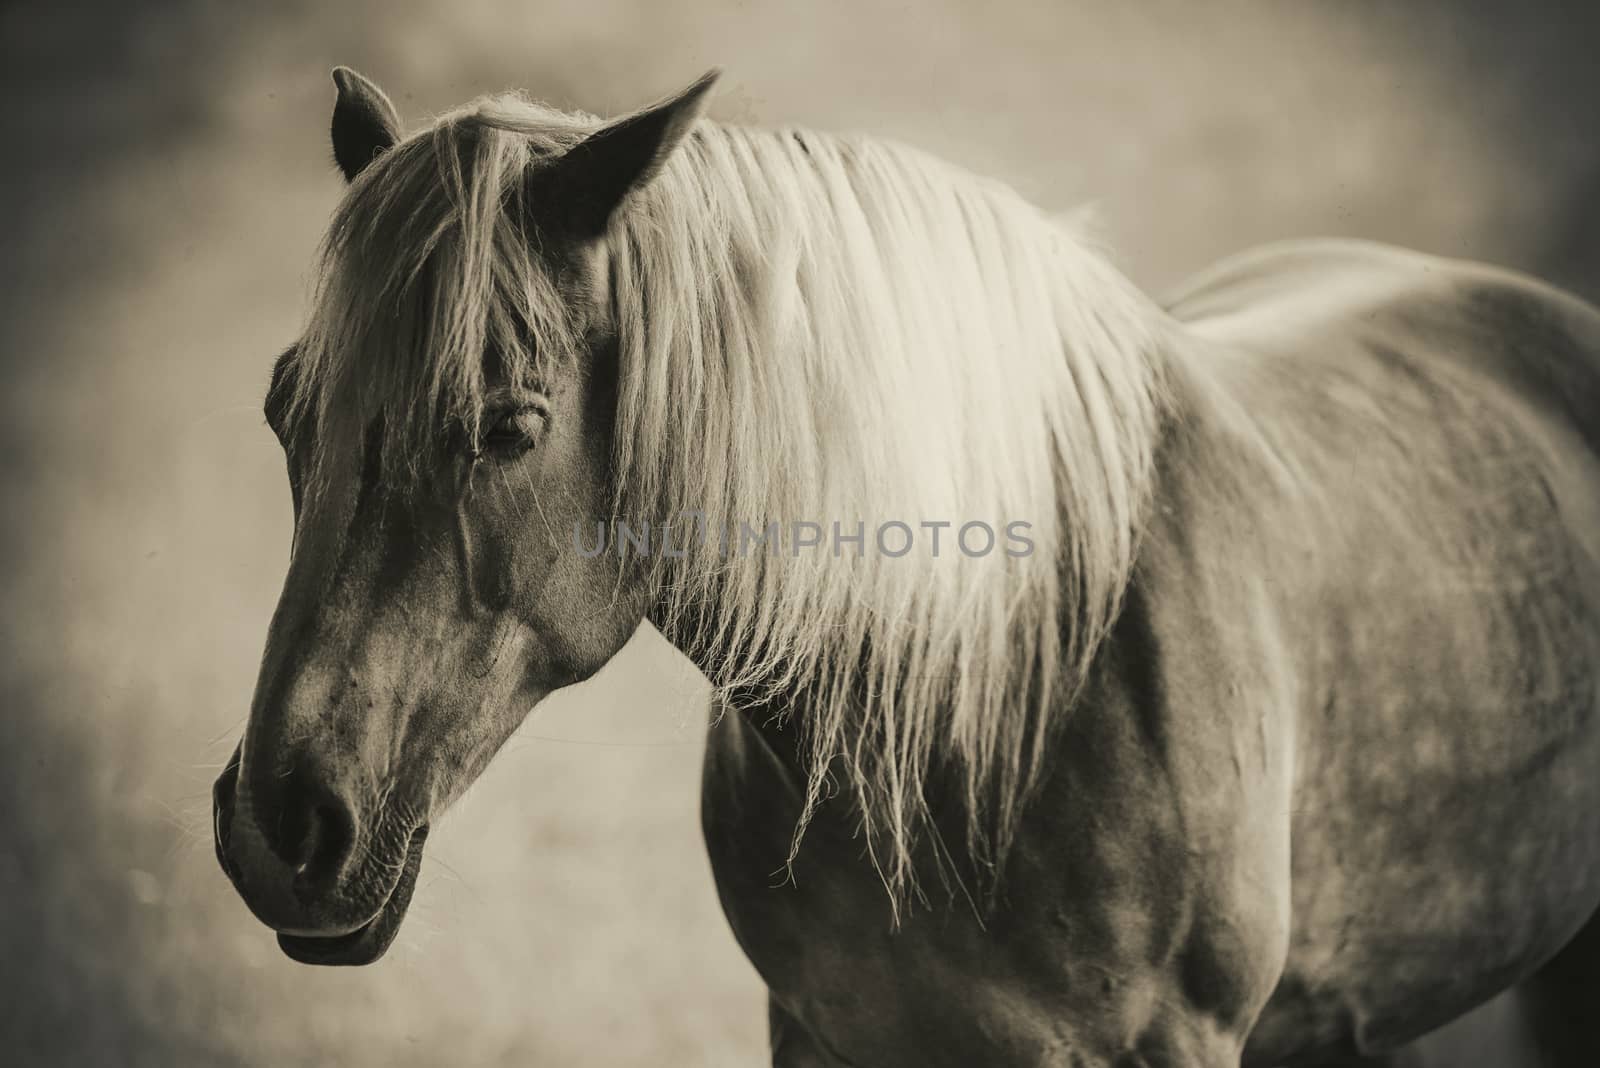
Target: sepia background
(168,179)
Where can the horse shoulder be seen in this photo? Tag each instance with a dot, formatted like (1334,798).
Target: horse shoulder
(1135,919)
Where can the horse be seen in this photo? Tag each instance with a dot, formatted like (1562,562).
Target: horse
(1268,736)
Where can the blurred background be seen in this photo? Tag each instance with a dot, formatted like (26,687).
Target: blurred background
(170,176)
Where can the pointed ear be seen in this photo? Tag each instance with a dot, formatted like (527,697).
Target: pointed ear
(590,181)
(364,122)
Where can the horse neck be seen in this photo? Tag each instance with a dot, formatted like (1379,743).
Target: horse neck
(1099,430)
(1185,388)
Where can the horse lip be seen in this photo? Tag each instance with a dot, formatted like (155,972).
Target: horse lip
(222,794)
(368,942)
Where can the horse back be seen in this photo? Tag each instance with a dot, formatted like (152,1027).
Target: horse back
(1534,338)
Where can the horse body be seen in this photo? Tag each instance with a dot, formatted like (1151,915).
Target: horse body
(1437,424)
(1282,748)
(1336,763)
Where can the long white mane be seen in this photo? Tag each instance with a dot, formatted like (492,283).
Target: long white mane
(811,328)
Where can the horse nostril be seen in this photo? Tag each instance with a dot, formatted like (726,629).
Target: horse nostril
(318,832)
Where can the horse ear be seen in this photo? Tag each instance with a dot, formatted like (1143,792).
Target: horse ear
(365,123)
(591,180)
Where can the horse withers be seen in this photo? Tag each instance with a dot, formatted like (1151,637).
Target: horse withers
(1269,739)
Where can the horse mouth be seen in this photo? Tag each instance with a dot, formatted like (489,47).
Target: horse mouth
(372,939)
(363,945)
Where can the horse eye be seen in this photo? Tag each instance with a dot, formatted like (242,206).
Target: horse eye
(511,433)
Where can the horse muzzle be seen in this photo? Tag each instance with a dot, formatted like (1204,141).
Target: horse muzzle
(303,862)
